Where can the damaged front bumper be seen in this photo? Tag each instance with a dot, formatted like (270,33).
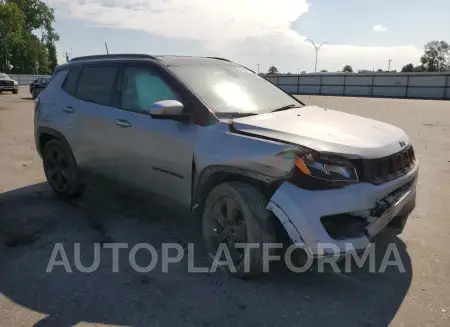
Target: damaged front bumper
(347,218)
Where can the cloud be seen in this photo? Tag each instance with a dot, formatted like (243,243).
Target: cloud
(379,28)
(248,31)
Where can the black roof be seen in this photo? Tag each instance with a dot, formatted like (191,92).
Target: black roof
(114,56)
(186,60)
(165,59)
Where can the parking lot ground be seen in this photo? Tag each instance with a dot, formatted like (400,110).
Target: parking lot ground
(33,220)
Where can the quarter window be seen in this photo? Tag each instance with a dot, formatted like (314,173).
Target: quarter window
(142,87)
(96,84)
(70,85)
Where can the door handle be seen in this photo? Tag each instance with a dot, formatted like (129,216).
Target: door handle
(123,123)
(68,109)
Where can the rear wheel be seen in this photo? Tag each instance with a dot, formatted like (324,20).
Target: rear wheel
(236,213)
(61,169)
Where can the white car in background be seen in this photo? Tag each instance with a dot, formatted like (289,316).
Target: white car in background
(8,84)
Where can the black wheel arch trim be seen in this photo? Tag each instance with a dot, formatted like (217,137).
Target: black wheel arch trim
(54,133)
(216,174)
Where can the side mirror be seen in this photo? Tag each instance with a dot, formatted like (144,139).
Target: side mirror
(167,109)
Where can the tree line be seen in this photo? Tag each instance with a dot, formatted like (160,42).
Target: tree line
(22,51)
(436,58)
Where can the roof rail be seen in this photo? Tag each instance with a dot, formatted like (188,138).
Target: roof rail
(218,58)
(112,56)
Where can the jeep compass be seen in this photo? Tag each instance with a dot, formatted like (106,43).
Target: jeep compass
(216,138)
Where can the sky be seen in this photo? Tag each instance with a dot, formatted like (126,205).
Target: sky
(365,34)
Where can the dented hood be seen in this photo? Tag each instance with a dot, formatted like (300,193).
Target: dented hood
(328,131)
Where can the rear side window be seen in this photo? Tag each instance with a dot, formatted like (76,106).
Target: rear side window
(96,85)
(70,85)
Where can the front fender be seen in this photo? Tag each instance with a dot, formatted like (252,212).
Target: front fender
(216,174)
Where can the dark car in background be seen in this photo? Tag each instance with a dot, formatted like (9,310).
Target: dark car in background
(37,86)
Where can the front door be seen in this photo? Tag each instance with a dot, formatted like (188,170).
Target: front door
(155,154)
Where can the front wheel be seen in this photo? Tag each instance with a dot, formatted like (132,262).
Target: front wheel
(61,169)
(235,213)
(15,91)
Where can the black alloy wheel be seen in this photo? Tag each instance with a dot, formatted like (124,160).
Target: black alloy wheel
(61,169)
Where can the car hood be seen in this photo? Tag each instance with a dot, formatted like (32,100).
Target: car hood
(6,79)
(327,130)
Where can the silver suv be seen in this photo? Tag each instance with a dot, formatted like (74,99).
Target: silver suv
(215,138)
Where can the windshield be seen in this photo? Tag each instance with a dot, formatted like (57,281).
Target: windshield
(228,89)
(3,75)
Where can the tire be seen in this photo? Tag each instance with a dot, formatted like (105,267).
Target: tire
(61,169)
(15,91)
(33,94)
(255,225)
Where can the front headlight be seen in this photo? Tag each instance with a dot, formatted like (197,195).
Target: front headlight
(313,170)
(327,168)
(15,82)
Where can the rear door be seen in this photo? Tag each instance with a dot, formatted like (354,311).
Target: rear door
(92,113)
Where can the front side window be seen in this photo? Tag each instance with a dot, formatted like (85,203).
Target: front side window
(231,88)
(96,85)
(142,87)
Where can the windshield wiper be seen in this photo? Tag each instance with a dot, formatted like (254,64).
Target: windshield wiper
(290,106)
(235,114)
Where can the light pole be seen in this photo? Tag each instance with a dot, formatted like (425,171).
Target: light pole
(68,54)
(316,48)
(389,67)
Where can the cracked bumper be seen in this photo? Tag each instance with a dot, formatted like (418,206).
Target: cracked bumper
(300,211)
